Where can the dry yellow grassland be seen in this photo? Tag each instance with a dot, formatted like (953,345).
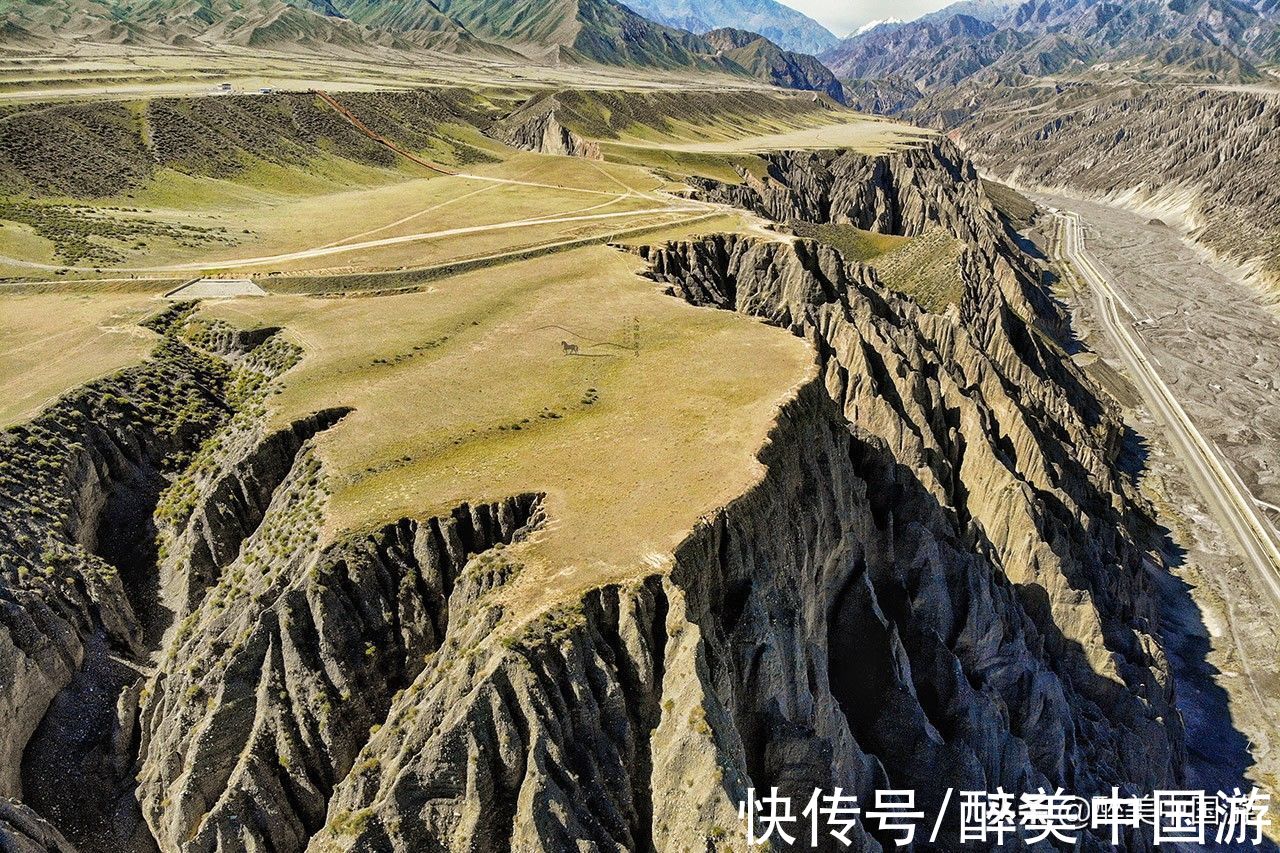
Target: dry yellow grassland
(845,130)
(127,71)
(53,342)
(374,224)
(343,218)
(462,392)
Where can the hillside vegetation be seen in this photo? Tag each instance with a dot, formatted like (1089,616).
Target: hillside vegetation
(90,150)
(288,184)
(687,115)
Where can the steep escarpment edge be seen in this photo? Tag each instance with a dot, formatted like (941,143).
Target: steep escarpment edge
(938,577)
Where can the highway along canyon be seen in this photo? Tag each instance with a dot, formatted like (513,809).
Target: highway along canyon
(1193,352)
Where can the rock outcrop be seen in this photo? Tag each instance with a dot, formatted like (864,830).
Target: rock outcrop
(882,95)
(23,831)
(535,127)
(78,483)
(909,193)
(885,608)
(271,686)
(974,471)
(936,580)
(81,486)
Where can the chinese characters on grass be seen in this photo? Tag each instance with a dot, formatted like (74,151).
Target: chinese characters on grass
(988,819)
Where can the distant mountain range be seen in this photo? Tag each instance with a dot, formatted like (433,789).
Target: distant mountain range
(1223,40)
(767,61)
(573,30)
(305,24)
(984,10)
(551,31)
(782,25)
(557,30)
(891,63)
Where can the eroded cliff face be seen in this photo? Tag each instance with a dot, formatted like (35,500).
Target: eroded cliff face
(829,628)
(1003,504)
(273,683)
(77,486)
(535,127)
(936,582)
(83,612)
(1206,161)
(24,831)
(909,193)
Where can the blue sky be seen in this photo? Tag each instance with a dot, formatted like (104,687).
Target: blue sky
(844,16)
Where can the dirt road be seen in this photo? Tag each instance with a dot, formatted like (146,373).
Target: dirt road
(335,249)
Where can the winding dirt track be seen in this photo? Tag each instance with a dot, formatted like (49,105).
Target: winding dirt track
(339,248)
(429,235)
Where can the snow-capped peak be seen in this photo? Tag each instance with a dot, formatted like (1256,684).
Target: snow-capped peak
(871,25)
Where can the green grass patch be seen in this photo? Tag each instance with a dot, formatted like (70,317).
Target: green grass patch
(681,164)
(695,116)
(97,235)
(852,242)
(403,281)
(92,287)
(927,268)
(1010,203)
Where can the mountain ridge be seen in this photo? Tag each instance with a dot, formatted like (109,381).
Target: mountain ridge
(1212,40)
(767,61)
(550,32)
(786,27)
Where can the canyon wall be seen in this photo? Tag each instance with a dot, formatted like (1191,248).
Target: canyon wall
(939,580)
(911,192)
(1205,161)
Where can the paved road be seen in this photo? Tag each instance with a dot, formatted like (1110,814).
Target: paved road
(1221,488)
